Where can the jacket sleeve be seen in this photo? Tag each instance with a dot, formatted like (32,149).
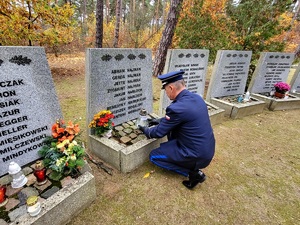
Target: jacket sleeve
(166,125)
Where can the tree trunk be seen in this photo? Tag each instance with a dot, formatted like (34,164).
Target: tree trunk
(166,39)
(117,27)
(99,23)
(84,22)
(132,15)
(107,11)
(157,16)
(292,22)
(297,51)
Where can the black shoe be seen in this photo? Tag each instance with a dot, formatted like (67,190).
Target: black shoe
(195,178)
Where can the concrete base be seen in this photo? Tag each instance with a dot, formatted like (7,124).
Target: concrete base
(240,110)
(124,158)
(297,94)
(216,115)
(64,204)
(293,102)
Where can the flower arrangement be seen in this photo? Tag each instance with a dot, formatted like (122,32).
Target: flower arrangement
(61,153)
(282,87)
(102,122)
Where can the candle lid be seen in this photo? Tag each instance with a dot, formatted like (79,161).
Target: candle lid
(32,200)
(143,112)
(39,165)
(13,168)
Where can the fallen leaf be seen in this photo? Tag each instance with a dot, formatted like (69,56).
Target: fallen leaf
(146,175)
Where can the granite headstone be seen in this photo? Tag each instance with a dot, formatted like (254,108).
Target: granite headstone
(194,63)
(295,82)
(119,80)
(230,72)
(271,68)
(29,104)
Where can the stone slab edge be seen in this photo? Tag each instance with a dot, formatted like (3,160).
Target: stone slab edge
(74,198)
(280,104)
(285,104)
(232,109)
(216,116)
(135,155)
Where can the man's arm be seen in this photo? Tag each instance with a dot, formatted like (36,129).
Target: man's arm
(167,124)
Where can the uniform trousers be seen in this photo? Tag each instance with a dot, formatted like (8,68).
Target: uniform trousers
(181,165)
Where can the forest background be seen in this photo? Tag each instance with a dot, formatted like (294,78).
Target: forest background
(70,26)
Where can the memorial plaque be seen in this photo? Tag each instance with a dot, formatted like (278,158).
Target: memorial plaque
(119,80)
(194,63)
(29,105)
(230,72)
(295,82)
(272,67)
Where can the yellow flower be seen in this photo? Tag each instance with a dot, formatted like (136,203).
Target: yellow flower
(62,144)
(70,146)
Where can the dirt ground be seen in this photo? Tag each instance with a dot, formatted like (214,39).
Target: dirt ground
(253,179)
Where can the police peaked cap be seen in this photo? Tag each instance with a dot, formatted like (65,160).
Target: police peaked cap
(170,77)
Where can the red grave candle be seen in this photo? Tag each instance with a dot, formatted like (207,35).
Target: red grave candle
(2,194)
(40,173)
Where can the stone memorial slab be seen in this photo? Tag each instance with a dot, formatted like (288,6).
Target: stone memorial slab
(229,74)
(29,104)
(271,68)
(119,80)
(295,82)
(194,63)
(228,82)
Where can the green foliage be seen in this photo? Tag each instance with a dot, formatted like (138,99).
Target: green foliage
(204,31)
(62,154)
(256,27)
(248,25)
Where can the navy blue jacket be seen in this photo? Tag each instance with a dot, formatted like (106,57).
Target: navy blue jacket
(188,127)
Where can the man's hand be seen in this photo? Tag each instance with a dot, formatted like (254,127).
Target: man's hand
(142,128)
(153,122)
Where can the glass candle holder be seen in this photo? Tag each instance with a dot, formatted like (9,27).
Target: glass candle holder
(3,199)
(40,173)
(142,119)
(33,206)
(19,180)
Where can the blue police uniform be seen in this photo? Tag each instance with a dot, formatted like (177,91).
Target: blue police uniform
(191,142)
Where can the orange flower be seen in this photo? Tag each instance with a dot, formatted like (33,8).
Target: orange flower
(72,129)
(62,133)
(70,137)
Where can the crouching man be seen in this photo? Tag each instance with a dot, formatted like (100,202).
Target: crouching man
(191,143)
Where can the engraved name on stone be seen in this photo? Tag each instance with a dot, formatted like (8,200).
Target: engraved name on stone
(274,70)
(233,73)
(127,90)
(16,138)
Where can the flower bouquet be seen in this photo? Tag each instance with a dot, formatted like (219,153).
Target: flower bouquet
(61,153)
(102,122)
(282,87)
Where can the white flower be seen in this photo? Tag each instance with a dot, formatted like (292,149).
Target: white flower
(73,157)
(59,161)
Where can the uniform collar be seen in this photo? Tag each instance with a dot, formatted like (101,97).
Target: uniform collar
(184,91)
